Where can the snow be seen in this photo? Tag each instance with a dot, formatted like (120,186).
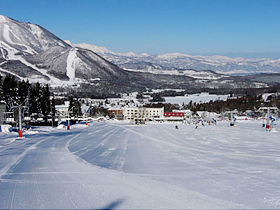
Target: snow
(5,128)
(172,56)
(69,43)
(11,73)
(198,98)
(2,18)
(7,32)
(190,73)
(94,48)
(7,47)
(145,54)
(36,30)
(115,165)
(42,71)
(130,54)
(265,96)
(217,63)
(71,64)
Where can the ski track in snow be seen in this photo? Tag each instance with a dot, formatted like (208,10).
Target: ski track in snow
(6,34)
(4,70)
(143,167)
(12,56)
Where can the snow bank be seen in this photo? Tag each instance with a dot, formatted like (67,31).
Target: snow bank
(61,126)
(5,128)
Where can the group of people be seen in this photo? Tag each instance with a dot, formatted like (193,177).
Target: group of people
(200,122)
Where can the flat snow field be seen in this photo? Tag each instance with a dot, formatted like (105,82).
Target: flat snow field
(117,165)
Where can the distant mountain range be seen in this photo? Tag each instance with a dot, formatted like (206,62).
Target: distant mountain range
(219,64)
(30,52)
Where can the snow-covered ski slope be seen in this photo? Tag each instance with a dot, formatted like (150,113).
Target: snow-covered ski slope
(116,165)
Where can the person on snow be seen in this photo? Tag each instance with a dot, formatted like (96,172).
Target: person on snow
(272,121)
(214,121)
(200,122)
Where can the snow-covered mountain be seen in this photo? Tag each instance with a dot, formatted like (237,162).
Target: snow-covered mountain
(25,38)
(29,51)
(172,61)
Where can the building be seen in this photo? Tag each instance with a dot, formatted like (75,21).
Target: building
(187,114)
(174,116)
(143,113)
(2,113)
(116,113)
(62,110)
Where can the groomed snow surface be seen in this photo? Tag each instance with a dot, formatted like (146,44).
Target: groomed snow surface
(117,165)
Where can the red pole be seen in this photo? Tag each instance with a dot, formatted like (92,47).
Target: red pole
(19,122)
(19,133)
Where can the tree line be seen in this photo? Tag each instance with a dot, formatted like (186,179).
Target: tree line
(249,101)
(33,98)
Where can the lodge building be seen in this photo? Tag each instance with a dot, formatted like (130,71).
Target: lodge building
(143,113)
(151,114)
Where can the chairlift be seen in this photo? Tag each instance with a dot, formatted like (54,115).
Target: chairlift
(270,119)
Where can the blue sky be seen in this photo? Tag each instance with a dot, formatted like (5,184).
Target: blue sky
(247,28)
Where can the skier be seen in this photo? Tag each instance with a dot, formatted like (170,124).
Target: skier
(233,122)
(272,123)
(272,119)
(200,121)
(214,121)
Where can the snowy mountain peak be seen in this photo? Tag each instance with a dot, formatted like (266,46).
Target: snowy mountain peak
(216,63)
(93,48)
(26,38)
(2,18)
(69,43)
(130,54)
(145,54)
(31,52)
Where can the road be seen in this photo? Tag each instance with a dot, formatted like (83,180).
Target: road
(115,165)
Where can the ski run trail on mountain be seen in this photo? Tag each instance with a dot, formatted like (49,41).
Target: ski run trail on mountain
(118,165)
(71,64)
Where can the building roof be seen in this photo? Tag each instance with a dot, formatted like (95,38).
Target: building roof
(173,114)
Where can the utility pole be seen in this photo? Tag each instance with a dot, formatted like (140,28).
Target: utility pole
(68,125)
(52,106)
(20,120)
(267,119)
(68,120)
(20,114)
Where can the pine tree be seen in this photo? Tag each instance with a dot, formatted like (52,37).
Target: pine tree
(10,92)
(35,98)
(45,102)
(23,91)
(1,88)
(53,111)
(74,106)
